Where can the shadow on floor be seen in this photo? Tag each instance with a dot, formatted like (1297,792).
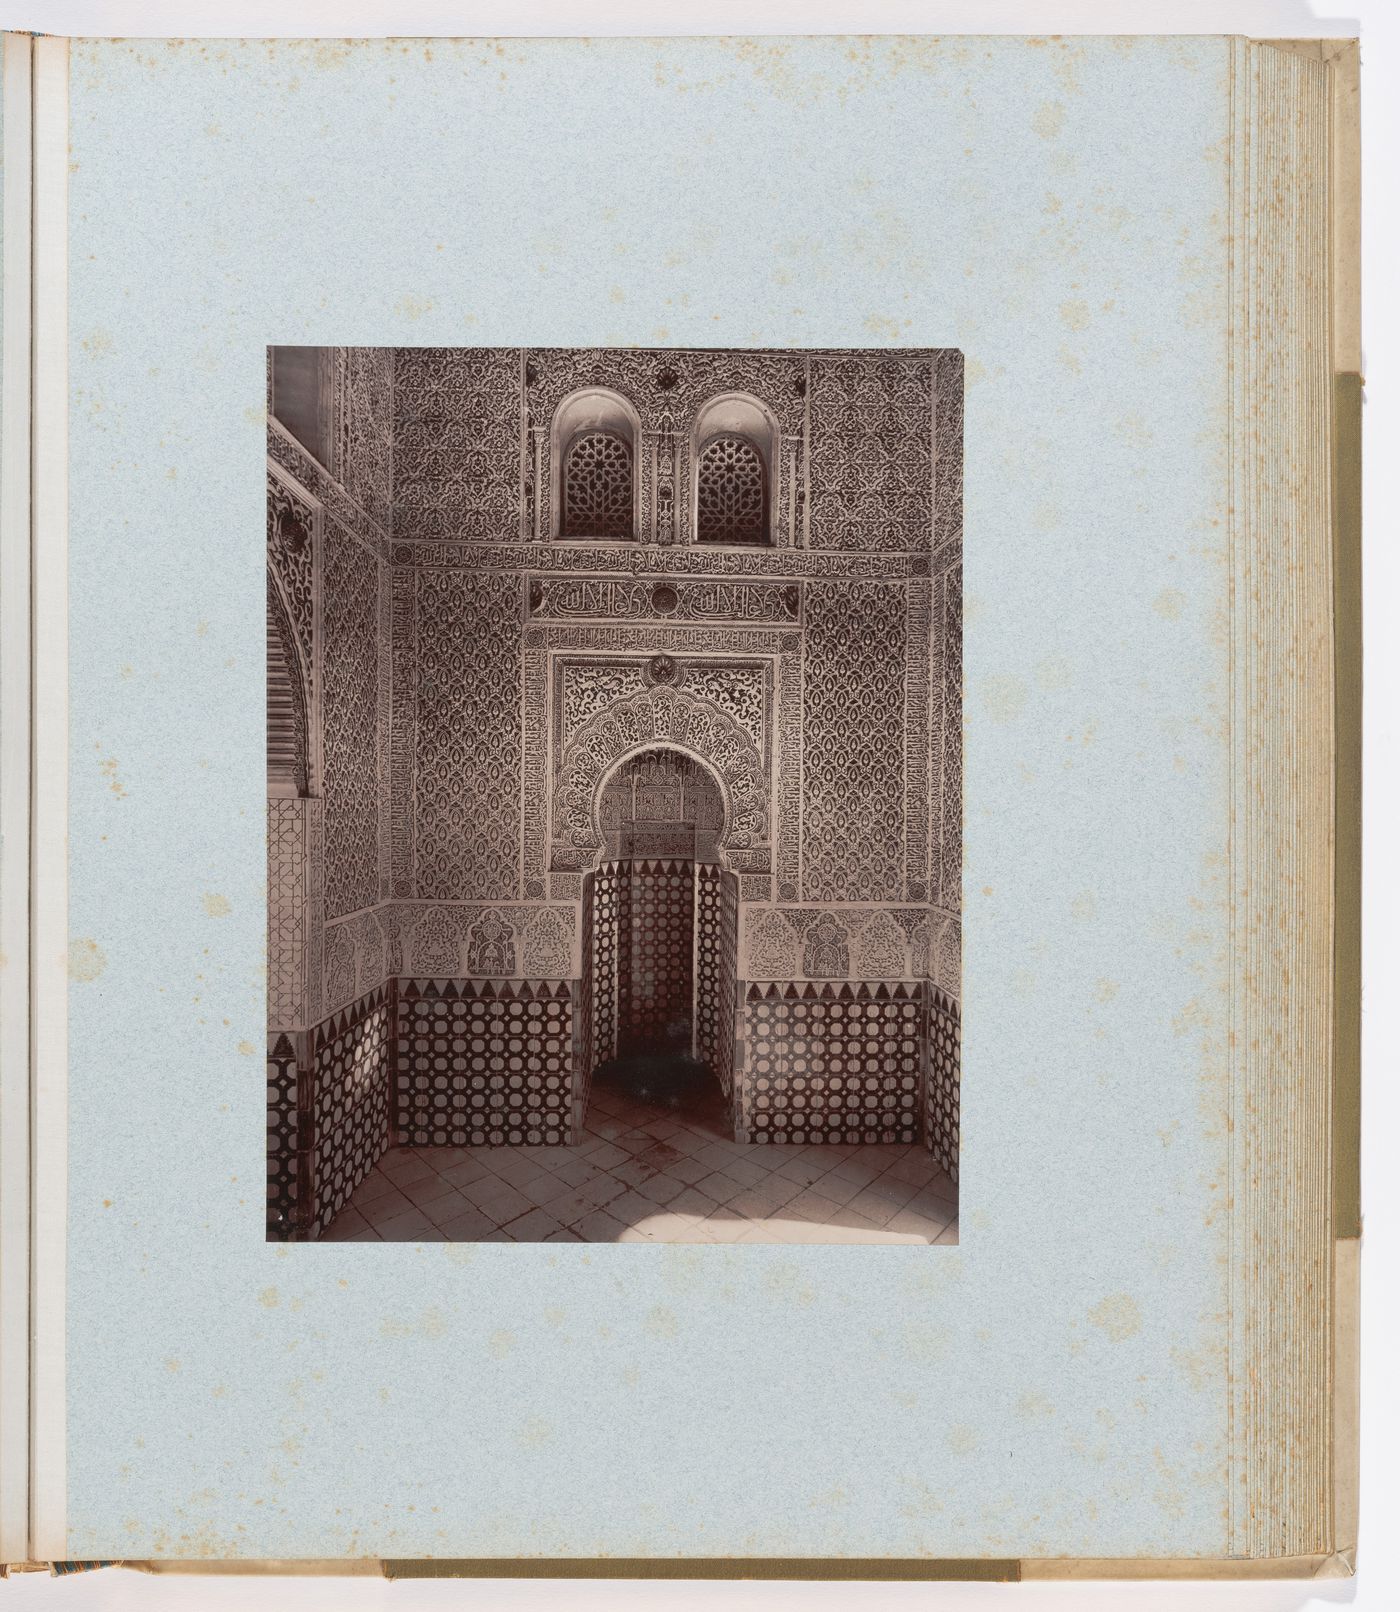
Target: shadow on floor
(675,1081)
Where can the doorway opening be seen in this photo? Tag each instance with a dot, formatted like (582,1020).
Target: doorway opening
(661,932)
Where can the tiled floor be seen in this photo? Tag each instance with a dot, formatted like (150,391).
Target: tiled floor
(651,1173)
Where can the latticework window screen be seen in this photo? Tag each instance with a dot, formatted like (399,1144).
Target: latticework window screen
(732,502)
(598,487)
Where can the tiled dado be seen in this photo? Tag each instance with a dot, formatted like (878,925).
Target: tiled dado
(942,1117)
(830,1063)
(328,1093)
(485,1062)
(716,964)
(281,1137)
(350,1102)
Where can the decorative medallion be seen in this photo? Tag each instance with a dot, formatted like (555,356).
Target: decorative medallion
(662,670)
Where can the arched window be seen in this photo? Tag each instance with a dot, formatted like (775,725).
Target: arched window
(597,487)
(732,504)
(734,452)
(594,451)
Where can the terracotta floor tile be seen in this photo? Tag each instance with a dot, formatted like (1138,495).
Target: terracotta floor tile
(805,1171)
(605,1154)
(837,1188)
(599,1227)
(499,1200)
(661,1188)
(874,1207)
(693,1204)
(405,1228)
(571,1208)
(943,1186)
(688,1168)
(774,1190)
(631,1207)
(601,1188)
(470,1169)
(896,1191)
(746,1171)
(466,1226)
(810,1205)
(632,1172)
(533,1227)
(405,1166)
(575,1171)
(720,1230)
(428,1191)
(390,1202)
(720,1186)
(919,1225)
(655,1173)
(543,1188)
(856,1167)
(374,1186)
(345,1225)
(750,1205)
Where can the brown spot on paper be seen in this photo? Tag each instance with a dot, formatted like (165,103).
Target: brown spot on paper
(1118,1316)
(86,960)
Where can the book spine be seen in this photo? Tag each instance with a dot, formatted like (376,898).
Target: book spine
(16,133)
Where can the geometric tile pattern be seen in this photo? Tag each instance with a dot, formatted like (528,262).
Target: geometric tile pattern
(943,1120)
(657,986)
(281,1138)
(585,1016)
(485,1062)
(716,929)
(607,884)
(832,1063)
(642,1173)
(350,1100)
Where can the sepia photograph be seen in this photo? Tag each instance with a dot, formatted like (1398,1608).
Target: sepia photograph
(614,761)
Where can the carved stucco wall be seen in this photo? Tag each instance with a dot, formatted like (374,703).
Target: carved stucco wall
(850,692)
